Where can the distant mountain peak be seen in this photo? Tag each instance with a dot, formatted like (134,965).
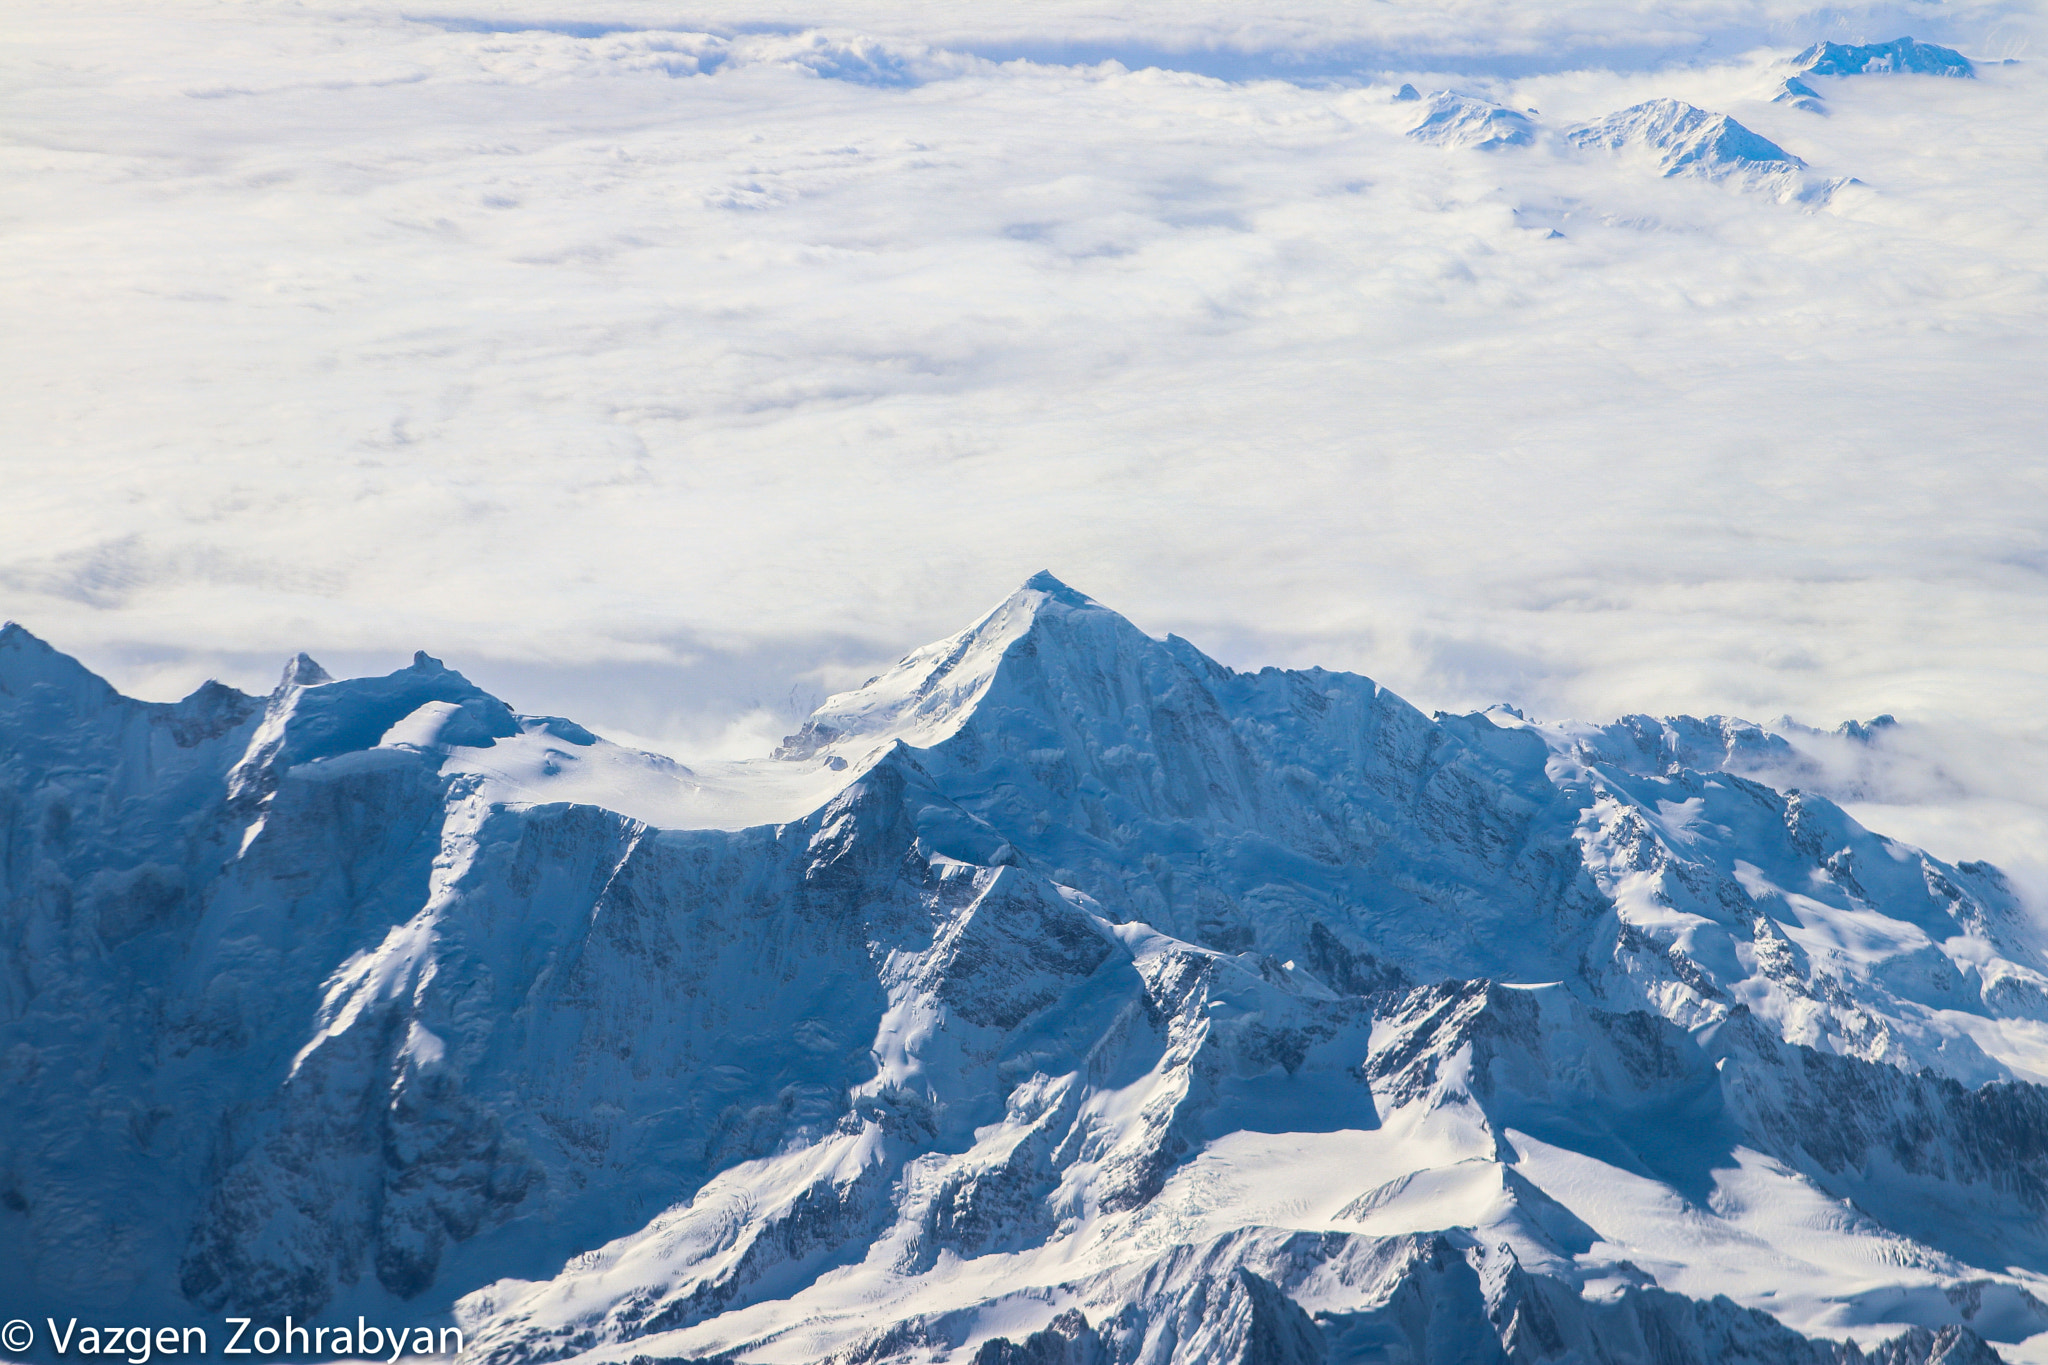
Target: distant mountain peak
(932,691)
(1797,93)
(19,638)
(1450,119)
(1687,140)
(30,663)
(1899,56)
(302,671)
(1044,581)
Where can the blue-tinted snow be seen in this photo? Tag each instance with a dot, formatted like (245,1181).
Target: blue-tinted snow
(1077,965)
(1901,56)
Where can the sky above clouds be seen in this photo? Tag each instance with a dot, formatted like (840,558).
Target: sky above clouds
(670,367)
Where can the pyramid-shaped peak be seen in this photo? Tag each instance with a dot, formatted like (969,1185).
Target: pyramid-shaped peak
(931,691)
(302,671)
(1686,140)
(16,636)
(27,662)
(1044,582)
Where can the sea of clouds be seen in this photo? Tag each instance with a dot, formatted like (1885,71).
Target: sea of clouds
(671,365)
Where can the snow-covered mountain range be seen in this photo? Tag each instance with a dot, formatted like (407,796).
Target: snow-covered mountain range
(1675,138)
(1059,995)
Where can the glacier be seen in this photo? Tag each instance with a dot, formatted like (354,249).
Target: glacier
(1059,994)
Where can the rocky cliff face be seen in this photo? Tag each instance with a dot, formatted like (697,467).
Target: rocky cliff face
(1090,1002)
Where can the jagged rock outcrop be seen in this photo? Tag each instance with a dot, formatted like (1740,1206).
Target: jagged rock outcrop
(1090,1001)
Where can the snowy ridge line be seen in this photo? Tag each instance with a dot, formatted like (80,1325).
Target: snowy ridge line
(1680,139)
(1676,139)
(1075,990)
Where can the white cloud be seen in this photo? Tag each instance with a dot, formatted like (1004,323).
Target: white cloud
(667,393)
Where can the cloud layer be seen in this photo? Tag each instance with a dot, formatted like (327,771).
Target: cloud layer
(673,376)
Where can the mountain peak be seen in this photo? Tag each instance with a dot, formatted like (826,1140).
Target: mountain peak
(302,671)
(16,636)
(1044,581)
(1687,140)
(356,713)
(930,692)
(1901,55)
(30,663)
(1453,120)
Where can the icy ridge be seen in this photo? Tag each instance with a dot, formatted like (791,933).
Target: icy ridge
(1087,949)
(1681,139)
(1901,55)
(1316,817)
(1453,120)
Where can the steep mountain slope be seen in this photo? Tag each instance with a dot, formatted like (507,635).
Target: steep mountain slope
(1681,139)
(1081,999)
(1317,817)
(1453,120)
